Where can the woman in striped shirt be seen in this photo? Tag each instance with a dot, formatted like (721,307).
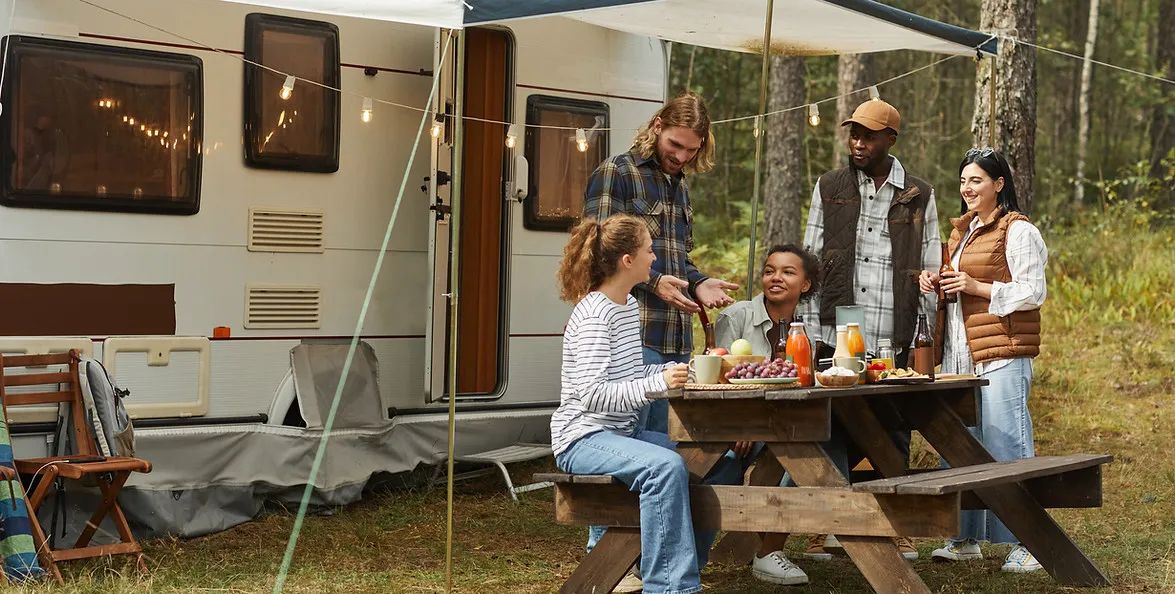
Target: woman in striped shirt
(604,383)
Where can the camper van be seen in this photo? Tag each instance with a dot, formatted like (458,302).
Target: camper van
(207,228)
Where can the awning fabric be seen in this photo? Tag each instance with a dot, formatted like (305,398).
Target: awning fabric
(799,27)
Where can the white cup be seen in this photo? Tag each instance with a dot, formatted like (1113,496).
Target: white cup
(706,368)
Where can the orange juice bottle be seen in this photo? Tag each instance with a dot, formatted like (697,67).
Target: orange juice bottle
(799,351)
(856,344)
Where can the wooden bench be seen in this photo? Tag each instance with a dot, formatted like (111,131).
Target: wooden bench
(1073,479)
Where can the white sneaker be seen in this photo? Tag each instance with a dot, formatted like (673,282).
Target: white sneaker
(1020,561)
(631,583)
(776,568)
(958,550)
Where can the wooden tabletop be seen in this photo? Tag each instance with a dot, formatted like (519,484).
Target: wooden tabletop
(769,392)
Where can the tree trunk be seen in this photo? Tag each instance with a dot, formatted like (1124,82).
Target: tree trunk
(853,71)
(1163,116)
(784,190)
(1015,92)
(1083,125)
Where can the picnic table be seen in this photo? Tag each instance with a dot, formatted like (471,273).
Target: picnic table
(864,516)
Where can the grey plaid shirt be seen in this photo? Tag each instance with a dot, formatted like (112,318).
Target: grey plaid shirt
(873,270)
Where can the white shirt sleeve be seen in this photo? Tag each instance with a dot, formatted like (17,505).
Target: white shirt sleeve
(931,255)
(814,244)
(589,375)
(1027,259)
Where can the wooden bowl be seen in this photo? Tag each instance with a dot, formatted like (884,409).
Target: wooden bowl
(836,381)
(872,375)
(729,361)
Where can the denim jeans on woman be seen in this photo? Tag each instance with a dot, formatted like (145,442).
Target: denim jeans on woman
(1005,428)
(670,547)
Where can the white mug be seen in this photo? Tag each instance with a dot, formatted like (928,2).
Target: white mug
(706,368)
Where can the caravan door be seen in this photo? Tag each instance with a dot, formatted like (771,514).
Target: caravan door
(484,226)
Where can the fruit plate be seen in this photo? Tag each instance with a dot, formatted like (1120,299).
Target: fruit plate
(906,380)
(764,380)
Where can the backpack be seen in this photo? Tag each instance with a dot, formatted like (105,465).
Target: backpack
(105,414)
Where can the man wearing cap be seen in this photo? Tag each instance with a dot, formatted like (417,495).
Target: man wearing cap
(873,226)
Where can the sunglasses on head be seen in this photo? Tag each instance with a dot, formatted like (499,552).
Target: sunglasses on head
(983,153)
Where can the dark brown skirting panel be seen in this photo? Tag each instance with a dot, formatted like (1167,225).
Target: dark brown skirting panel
(68,309)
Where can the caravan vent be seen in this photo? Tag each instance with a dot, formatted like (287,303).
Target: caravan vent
(277,306)
(285,230)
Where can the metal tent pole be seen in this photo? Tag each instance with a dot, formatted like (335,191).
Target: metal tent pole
(759,133)
(456,201)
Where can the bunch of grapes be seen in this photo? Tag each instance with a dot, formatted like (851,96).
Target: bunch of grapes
(769,369)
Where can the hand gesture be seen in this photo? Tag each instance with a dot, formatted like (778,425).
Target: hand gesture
(957,281)
(671,289)
(742,448)
(712,292)
(928,281)
(676,375)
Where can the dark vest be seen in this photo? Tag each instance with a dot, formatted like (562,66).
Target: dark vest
(841,200)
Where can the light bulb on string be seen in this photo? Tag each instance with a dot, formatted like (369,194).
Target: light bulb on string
(367,112)
(287,88)
(581,140)
(813,115)
(437,124)
(512,135)
(874,94)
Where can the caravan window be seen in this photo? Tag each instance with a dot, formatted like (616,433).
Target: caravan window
(559,171)
(98,127)
(291,127)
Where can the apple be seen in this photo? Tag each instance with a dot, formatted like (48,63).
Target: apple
(718,351)
(741,347)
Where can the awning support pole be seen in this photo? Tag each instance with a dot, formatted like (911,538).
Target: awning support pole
(760,131)
(457,189)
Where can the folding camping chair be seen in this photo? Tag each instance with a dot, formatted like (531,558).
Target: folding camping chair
(40,474)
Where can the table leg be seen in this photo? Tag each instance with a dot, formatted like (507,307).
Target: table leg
(870,435)
(700,458)
(878,558)
(606,565)
(1020,512)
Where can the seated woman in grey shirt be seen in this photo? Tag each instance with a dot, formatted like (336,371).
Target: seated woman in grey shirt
(789,274)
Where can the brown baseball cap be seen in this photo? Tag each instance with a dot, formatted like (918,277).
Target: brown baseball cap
(876,115)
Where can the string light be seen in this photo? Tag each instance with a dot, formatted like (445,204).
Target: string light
(813,114)
(874,94)
(437,124)
(366,116)
(512,135)
(581,140)
(287,88)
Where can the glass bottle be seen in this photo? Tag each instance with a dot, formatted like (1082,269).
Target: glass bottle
(779,350)
(799,351)
(856,344)
(885,352)
(842,343)
(943,296)
(924,348)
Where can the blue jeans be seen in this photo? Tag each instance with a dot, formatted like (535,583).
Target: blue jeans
(647,463)
(655,415)
(1005,428)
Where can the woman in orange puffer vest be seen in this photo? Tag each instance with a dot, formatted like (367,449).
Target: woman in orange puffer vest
(993,329)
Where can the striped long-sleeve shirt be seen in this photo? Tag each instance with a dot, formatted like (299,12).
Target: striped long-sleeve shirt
(604,379)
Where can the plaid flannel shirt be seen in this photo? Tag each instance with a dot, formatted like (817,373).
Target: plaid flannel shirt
(873,270)
(628,183)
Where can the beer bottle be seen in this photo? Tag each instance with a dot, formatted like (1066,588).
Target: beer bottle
(943,296)
(779,350)
(924,348)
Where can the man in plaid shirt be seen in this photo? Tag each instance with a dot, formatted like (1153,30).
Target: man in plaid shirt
(648,182)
